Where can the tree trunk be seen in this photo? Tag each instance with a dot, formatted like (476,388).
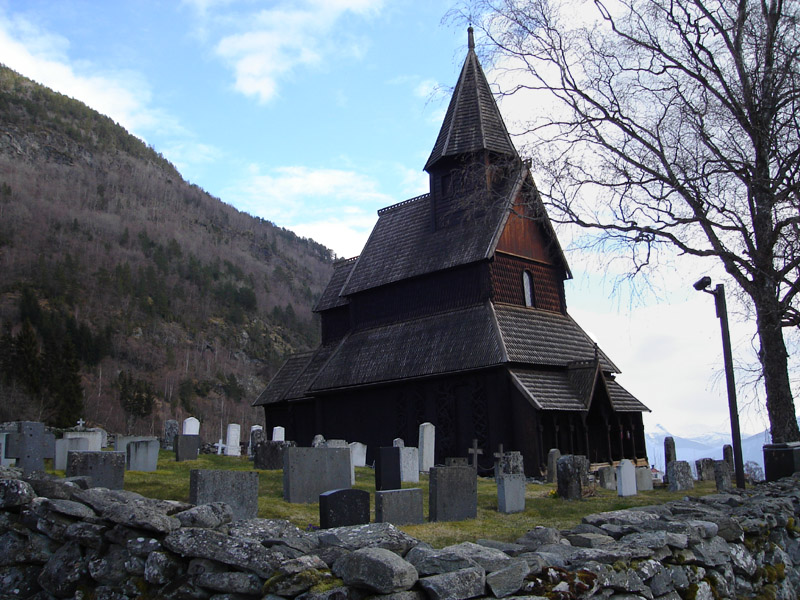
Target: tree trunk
(773,357)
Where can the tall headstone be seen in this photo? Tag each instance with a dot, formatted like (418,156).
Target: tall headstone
(171,429)
(626,478)
(644,479)
(510,492)
(723,476)
(359,453)
(142,455)
(669,450)
(552,464)
(30,445)
(452,494)
(308,472)
(186,447)
(65,445)
(679,476)
(269,455)
(607,478)
(344,444)
(256,435)
(278,434)
(727,456)
(232,440)
(6,462)
(399,507)
(427,442)
(340,508)
(239,489)
(387,469)
(705,469)
(409,464)
(569,477)
(105,469)
(191,426)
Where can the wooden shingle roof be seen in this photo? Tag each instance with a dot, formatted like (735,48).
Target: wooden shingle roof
(284,379)
(473,121)
(330,297)
(622,400)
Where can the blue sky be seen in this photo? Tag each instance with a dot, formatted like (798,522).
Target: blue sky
(314,114)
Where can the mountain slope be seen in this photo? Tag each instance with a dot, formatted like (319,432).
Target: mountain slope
(103,244)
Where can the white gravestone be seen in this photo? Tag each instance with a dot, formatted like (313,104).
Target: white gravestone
(427,439)
(5,462)
(191,426)
(67,444)
(232,447)
(398,443)
(626,478)
(278,434)
(95,438)
(358,451)
(409,464)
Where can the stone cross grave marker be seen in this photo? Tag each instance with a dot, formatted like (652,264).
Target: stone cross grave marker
(278,434)
(552,464)
(81,422)
(232,440)
(340,508)
(30,445)
(105,469)
(220,447)
(399,507)
(497,457)
(65,445)
(475,452)
(453,494)
(387,469)
(427,440)
(239,489)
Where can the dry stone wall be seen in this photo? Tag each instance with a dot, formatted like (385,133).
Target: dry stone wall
(58,540)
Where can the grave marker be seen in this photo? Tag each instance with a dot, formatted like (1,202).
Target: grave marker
(510,493)
(723,476)
(171,429)
(278,434)
(453,494)
(186,447)
(409,464)
(644,479)
(5,462)
(398,443)
(427,441)
(727,456)
(95,438)
(268,455)
(105,469)
(359,453)
(387,469)
(233,440)
(679,476)
(238,489)
(121,441)
(607,478)
(626,478)
(552,464)
(705,469)
(509,463)
(308,472)
(456,461)
(399,507)
(475,452)
(256,435)
(191,426)
(340,508)
(142,455)
(30,445)
(65,445)
(569,477)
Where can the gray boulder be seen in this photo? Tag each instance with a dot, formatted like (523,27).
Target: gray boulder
(376,569)
(489,559)
(457,585)
(161,567)
(428,561)
(232,582)
(141,516)
(15,492)
(64,571)
(372,535)
(206,515)
(509,580)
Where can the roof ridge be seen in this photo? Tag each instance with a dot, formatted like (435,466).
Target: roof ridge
(392,207)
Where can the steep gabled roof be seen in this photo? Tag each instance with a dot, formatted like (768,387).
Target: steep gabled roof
(284,379)
(330,297)
(472,122)
(622,400)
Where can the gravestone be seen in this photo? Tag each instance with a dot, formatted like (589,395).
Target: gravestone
(427,441)
(679,476)
(569,477)
(510,493)
(268,455)
(705,469)
(95,438)
(103,436)
(387,469)
(344,444)
(398,443)
(6,462)
(186,447)
(220,445)
(191,426)
(105,469)
(121,441)
(399,507)
(727,456)
(65,445)
(359,453)
(781,460)
(256,435)
(170,431)
(552,463)
(340,508)
(142,455)
(30,444)
(238,489)
(644,479)
(278,434)
(723,476)
(233,440)
(308,472)
(509,463)
(409,464)
(475,452)
(318,441)
(626,478)
(452,494)
(607,478)
(456,461)
(669,450)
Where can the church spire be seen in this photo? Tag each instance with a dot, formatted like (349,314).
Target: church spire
(472,122)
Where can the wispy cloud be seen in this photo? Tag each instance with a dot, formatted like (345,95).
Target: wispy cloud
(265,47)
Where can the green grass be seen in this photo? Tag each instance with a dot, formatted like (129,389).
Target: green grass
(171,482)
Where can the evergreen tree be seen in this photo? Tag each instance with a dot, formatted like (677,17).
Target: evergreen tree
(64,386)
(136,397)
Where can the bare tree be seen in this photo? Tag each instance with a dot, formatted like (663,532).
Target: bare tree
(676,127)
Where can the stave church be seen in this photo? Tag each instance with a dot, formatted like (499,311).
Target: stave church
(455,314)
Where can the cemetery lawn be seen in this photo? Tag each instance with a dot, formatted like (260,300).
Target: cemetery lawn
(171,482)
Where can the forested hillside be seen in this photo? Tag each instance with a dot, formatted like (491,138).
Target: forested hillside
(127,295)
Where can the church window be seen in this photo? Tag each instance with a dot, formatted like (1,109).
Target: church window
(527,289)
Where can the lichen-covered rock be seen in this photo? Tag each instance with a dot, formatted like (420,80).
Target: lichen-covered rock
(142,546)
(540,536)
(456,585)
(488,559)
(19,581)
(15,492)
(68,508)
(108,568)
(428,561)
(263,529)
(372,535)
(65,569)
(206,515)
(141,516)
(245,554)
(232,582)
(161,567)
(509,580)
(16,549)
(376,569)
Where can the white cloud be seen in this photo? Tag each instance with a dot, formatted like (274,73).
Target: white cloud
(267,46)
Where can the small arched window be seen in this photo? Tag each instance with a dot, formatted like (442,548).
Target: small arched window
(527,289)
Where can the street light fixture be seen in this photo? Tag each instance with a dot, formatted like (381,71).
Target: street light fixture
(722,314)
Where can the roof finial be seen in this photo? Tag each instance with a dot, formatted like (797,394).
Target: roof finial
(470,38)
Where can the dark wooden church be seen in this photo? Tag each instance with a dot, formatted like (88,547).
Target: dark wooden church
(454,313)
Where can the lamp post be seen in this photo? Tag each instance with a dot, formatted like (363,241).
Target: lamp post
(722,314)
